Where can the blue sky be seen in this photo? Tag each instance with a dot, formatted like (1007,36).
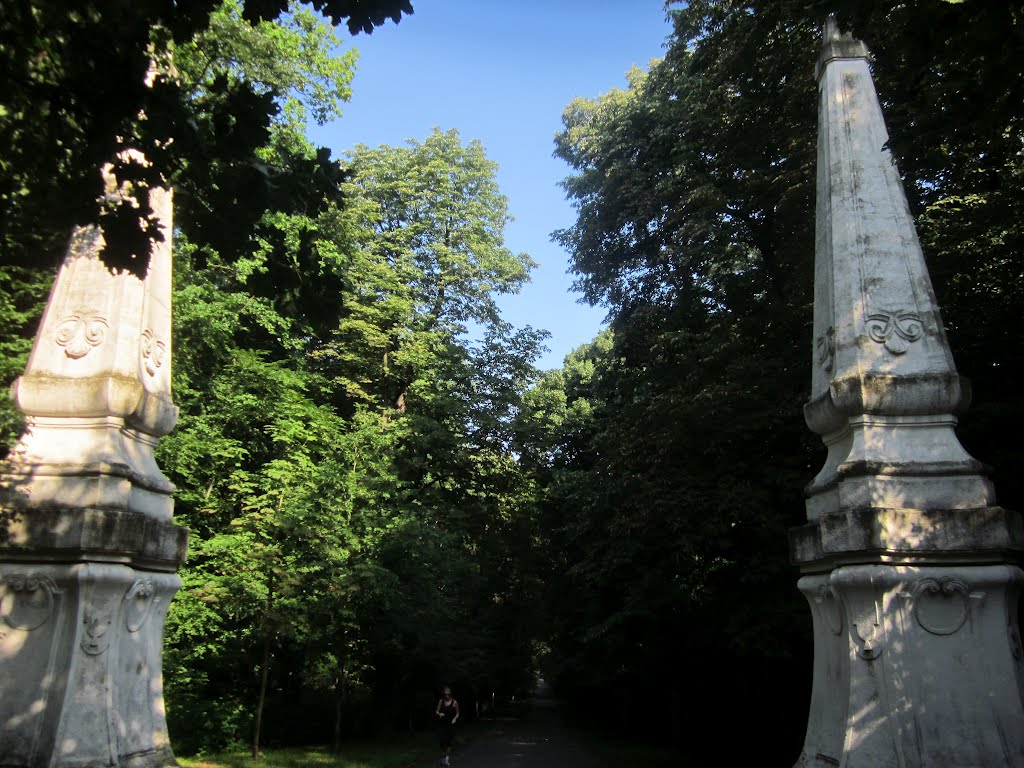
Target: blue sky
(502,71)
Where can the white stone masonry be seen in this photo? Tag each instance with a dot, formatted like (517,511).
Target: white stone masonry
(88,550)
(909,567)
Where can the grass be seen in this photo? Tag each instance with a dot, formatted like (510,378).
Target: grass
(398,751)
(387,755)
(408,749)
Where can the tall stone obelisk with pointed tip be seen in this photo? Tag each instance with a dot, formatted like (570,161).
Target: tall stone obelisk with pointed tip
(88,550)
(907,562)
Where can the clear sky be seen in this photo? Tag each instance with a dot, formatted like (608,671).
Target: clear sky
(502,71)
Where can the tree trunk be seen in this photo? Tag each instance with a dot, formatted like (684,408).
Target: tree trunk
(262,697)
(339,701)
(264,675)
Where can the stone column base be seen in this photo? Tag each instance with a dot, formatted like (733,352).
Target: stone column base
(81,682)
(915,666)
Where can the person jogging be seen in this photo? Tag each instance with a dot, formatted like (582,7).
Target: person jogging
(447,712)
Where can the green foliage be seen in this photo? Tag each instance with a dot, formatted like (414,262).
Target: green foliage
(398,751)
(22,296)
(425,256)
(74,97)
(671,452)
(379,505)
(344,457)
(294,65)
(292,59)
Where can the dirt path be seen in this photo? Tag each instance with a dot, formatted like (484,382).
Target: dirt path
(539,740)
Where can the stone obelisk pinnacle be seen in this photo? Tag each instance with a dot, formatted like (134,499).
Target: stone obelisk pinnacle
(908,563)
(88,551)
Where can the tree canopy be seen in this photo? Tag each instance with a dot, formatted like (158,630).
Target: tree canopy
(344,457)
(673,449)
(384,494)
(75,94)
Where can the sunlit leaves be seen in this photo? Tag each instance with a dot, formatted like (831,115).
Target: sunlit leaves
(22,298)
(75,95)
(425,258)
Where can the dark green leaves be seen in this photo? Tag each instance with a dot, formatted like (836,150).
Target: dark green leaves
(672,452)
(73,96)
(361,15)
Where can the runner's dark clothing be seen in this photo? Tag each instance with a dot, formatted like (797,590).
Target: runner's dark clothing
(447,727)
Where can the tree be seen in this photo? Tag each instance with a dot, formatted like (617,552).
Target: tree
(426,258)
(288,65)
(22,300)
(693,190)
(75,97)
(344,457)
(347,550)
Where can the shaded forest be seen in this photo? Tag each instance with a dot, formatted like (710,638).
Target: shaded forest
(381,502)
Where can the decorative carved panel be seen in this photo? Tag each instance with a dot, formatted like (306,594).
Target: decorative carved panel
(80,333)
(26,601)
(153,352)
(138,604)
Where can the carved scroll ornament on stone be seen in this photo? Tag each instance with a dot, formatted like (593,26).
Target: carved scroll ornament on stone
(941,606)
(826,345)
(830,608)
(153,352)
(26,601)
(866,631)
(867,640)
(896,330)
(79,333)
(138,604)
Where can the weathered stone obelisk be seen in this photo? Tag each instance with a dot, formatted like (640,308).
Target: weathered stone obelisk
(907,561)
(88,551)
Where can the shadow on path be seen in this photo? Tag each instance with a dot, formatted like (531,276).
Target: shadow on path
(541,739)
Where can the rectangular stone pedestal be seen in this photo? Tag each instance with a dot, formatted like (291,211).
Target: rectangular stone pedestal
(80,665)
(917,649)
